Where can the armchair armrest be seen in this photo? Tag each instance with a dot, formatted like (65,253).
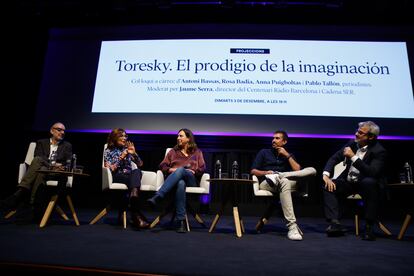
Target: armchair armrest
(106,178)
(204,183)
(160,179)
(256,188)
(255,184)
(22,171)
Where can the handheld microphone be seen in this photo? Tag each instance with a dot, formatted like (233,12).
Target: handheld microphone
(344,162)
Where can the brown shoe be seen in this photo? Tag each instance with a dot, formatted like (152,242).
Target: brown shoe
(143,224)
(138,222)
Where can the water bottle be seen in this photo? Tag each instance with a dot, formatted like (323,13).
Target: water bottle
(217,171)
(68,166)
(74,162)
(235,170)
(52,160)
(408,173)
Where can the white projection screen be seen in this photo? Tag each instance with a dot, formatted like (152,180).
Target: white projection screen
(228,80)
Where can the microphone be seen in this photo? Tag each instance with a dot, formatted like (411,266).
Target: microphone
(344,162)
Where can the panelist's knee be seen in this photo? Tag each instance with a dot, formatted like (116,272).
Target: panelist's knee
(181,185)
(311,170)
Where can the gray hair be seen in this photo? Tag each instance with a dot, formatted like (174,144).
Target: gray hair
(374,129)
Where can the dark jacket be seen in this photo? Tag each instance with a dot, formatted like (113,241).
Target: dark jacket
(64,151)
(372,165)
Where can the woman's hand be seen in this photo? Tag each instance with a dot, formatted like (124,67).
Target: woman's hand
(190,170)
(171,170)
(130,147)
(123,154)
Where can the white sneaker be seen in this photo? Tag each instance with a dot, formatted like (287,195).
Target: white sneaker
(294,233)
(272,179)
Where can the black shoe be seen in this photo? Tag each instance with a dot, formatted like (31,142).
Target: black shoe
(181,228)
(335,230)
(369,233)
(153,201)
(13,201)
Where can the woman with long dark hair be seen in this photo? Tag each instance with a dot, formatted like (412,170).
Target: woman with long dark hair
(183,165)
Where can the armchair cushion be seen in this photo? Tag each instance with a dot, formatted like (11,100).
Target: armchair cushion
(256,189)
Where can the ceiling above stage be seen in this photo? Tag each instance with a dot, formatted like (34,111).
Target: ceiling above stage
(91,12)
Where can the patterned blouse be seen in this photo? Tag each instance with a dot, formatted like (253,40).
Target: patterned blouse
(111,157)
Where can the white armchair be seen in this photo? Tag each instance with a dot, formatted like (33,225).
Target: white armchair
(338,170)
(203,189)
(150,182)
(53,183)
(28,160)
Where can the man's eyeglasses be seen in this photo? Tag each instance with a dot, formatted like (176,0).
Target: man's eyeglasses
(59,129)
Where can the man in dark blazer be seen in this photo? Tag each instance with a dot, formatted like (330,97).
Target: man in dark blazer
(364,163)
(33,179)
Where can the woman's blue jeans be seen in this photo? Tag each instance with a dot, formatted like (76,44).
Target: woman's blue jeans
(180,179)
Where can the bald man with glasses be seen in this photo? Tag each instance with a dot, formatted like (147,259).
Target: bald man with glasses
(28,186)
(364,161)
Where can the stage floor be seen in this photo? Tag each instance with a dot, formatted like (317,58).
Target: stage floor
(107,248)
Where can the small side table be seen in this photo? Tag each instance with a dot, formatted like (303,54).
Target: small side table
(230,196)
(410,189)
(61,178)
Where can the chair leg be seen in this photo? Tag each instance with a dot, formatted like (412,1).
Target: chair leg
(197,217)
(72,209)
(242,226)
(267,214)
(404,226)
(10,214)
(187,224)
(356,225)
(165,212)
(158,218)
(260,224)
(101,214)
(48,211)
(155,222)
(200,220)
(384,229)
(124,218)
(213,224)
(61,212)
(237,222)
